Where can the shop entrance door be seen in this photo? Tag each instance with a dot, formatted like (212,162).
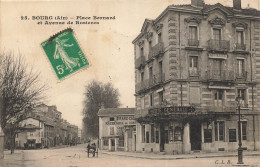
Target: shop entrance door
(112,144)
(134,142)
(195,135)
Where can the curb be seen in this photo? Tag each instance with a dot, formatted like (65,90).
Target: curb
(176,158)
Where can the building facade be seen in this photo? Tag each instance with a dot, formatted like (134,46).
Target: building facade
(117,129)
(191,63)
(31,133)
(44,127)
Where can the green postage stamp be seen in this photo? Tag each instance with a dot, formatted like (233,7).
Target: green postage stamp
(64,53)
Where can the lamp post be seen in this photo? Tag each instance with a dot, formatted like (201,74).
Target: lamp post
(240,150)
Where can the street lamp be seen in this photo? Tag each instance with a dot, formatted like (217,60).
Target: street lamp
(240,150)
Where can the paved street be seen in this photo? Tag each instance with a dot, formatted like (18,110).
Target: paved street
(76,156)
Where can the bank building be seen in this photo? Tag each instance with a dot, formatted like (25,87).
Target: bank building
(195,65)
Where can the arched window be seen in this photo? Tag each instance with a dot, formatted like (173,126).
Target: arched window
(177,134)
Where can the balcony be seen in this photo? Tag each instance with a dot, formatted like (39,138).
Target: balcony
(240,46)
(220,109)
(156,50)
(218,45)
(193,72)
(241,75)
(140,61)
(193,42)
(148,83)
(142,85)
(223,75)
(156,79)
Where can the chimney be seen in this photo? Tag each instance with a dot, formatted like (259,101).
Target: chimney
(237,4)
(197,3)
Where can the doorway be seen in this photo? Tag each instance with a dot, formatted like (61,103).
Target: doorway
(195,135)
(112,144)
(162,137)
(134,142)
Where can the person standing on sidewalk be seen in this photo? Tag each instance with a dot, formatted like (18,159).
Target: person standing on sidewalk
(88,149)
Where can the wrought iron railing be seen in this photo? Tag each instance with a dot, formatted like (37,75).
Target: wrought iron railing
(220,75)
(156,79)
(139,61)
(241,75)
(156,50)
(147,83)
(193,42)
(218,45)
(240,46)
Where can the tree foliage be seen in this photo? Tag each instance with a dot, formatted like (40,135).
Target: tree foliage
(20,92)
(97,94)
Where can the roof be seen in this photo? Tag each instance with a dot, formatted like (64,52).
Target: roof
(230,11)
(243,11)
(116,111)
(30,127)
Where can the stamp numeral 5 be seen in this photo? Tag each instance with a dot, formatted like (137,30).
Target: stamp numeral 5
(60,69)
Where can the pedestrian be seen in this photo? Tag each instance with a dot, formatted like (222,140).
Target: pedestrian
(88,149)
(94,149)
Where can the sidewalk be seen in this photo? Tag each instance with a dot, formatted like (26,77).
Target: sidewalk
(157,156)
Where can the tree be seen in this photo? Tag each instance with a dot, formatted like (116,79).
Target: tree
(96,95)
(20,91)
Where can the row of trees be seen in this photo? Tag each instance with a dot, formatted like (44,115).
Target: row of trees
(20,91)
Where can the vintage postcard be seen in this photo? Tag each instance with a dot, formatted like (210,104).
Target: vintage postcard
(93,83)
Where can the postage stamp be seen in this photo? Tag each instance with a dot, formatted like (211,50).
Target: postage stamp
(64,53)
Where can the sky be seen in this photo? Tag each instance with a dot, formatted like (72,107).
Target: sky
(107,46)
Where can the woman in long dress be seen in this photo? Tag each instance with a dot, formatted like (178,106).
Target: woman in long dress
(70,62)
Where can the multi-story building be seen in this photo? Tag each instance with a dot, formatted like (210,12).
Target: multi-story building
(191,64)
(44,127)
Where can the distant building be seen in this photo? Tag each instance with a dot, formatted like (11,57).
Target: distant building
(79,135)
(31,135)
(191,63)
(44,127)
(117,129)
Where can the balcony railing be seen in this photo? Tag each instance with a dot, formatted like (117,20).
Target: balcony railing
(193,42)
(154,80)
(142,85)
(218,45)
(223,75)
(193,72)
(156,50)
(213,108)
(139,61)
(241,75)
(240,46)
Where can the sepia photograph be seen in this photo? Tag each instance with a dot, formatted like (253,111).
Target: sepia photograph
(129,83)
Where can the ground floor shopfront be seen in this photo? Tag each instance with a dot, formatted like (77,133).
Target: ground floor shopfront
(183,133)
(124,142)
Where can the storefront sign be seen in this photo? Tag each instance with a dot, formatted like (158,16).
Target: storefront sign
(125,117)
(114,123)
(175,109)
(122,120)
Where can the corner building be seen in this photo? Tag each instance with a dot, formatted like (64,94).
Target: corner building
(191,63)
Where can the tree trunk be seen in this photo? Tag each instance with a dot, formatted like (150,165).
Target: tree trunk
(12,143)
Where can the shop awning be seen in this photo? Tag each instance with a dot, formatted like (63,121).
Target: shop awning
(179,114)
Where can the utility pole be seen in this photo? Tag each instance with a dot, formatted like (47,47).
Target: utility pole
(240,149)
